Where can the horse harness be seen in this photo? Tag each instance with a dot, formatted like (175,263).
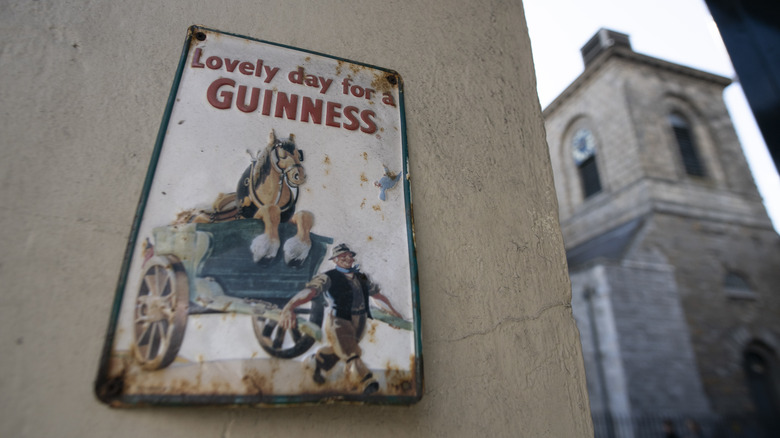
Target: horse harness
(249,182)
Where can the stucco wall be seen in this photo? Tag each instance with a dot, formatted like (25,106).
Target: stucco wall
(83,88)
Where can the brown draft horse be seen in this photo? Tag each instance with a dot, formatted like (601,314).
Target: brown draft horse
(268,190)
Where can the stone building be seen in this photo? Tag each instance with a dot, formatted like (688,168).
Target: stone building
(673,260)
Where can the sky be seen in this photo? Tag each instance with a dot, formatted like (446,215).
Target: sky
(679,31)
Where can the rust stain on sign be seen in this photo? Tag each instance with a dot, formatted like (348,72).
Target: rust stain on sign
(371,333)
(384,82)
(255,382)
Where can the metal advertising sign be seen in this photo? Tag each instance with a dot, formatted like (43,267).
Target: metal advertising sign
(272,259)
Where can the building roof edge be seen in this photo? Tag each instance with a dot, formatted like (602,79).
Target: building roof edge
(628,54)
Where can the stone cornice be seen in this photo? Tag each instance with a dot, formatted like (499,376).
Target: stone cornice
(627,54)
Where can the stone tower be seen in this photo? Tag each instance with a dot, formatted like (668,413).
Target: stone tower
(673,260)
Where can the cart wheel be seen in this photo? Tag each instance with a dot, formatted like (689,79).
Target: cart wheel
(160,312)
(284,344)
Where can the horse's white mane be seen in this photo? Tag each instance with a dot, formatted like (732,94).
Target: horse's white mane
(263,153)
(260,156)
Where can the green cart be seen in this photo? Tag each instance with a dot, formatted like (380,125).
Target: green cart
(208,268)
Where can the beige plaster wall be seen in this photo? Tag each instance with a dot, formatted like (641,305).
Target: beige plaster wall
(83,86)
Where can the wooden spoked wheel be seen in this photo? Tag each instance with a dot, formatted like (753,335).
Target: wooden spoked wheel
(160,315)
(287,344)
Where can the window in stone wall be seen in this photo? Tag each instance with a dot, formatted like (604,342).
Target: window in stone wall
(761,375)
(736,287)
(583,146)
(686,142)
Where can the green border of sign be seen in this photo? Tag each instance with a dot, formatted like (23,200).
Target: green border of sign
(110,391)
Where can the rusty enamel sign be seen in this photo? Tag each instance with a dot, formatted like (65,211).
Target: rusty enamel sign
(272,259)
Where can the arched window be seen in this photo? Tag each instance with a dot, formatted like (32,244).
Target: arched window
(583,145)
(737,287)
(759,364)
(686,142)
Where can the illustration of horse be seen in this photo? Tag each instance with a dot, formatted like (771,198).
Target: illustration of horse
(267,190)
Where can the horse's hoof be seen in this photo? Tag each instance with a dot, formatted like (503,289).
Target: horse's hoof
(263,248)
(296,251)
(297,263)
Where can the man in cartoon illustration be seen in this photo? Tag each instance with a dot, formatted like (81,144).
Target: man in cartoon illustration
(349,289)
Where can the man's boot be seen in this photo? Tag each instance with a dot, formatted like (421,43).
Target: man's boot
(322,363)
(370,385)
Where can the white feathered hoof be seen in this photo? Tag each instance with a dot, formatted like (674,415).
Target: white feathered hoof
(264,248)
(296,251)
